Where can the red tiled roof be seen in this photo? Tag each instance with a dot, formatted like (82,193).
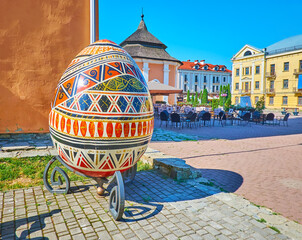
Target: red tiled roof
(191,66)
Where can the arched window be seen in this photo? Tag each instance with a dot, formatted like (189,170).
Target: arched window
(196,67)
(247,53)
(205,67)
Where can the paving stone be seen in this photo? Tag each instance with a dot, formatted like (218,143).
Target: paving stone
(176,210)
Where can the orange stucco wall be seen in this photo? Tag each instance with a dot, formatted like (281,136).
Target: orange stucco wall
(156,72)
(140,65)
(38,39)
(172,83)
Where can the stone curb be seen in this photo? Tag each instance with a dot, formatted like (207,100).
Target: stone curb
(173,167)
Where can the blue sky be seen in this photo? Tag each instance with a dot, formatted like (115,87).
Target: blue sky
(210,30)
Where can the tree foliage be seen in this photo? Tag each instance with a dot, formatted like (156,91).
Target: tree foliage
(188,96)
(204,97)
(260,105)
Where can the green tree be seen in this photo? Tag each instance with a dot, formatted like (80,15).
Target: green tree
(188,96)
(204,97)
(200,95)
(196,98)
(192,99)
(260,105)
(221,98)
(215,103)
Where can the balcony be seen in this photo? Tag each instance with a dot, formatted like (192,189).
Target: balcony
(245,91)
(270,75)
(270,91)
(297,71)
(297,91)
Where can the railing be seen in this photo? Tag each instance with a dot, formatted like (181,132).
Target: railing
(245,91)
(297,90)
(270,75)
(297,71)
(281,50)
(270,90)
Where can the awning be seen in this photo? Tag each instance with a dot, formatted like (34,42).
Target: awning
(157,88)
(245,101)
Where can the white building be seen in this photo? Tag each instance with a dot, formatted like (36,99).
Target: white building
(196,76)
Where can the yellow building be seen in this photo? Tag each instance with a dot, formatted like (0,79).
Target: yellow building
(274,72)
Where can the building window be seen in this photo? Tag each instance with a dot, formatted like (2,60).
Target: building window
(216,68)
(237,86)
(196,78)
(256,99)
(196,67)
(271,100)
(205,79)
(284,100)
(185,87)
(286,66)
(224,79)
(213,89)
(237,71)
(223,68)
(247,71)
(257,70)
(217,79)
(204,86)
(205,67)
(186,78)
(217,88)
(257,85)
(213,79)
(195,88)
(299,100)
(246,86)
(236,100)
(300,65)
(285,83)
(272,85)
(247,53)
(272,69)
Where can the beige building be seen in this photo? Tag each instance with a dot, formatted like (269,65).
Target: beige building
(274,72)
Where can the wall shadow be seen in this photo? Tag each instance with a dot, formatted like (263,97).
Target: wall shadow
(150,195)
(9,232)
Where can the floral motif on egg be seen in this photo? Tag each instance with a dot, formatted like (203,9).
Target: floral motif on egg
(102,116)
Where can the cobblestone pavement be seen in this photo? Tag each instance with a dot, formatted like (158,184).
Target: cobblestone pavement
(260,163)
(160,134)
(156,208)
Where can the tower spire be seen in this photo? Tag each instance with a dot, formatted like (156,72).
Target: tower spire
(142,24)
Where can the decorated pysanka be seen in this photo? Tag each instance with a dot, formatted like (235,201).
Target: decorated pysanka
(101,119)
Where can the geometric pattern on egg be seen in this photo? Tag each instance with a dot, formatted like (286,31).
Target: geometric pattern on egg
(101,119)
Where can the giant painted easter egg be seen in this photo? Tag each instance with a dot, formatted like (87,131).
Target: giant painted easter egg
(101,119)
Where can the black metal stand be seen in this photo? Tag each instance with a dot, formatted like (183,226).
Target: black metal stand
(117,192)
(59,182)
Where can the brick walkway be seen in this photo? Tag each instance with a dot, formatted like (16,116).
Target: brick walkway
(156,208)
(261,163)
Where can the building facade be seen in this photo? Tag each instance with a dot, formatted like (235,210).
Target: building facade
(38,41)
(274,72)
(152,58)
(198,75)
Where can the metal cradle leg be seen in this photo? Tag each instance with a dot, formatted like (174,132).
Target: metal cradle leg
(117,197)
(59,182)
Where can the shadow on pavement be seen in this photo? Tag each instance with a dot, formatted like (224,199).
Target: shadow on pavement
(37,223)
(151,194)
